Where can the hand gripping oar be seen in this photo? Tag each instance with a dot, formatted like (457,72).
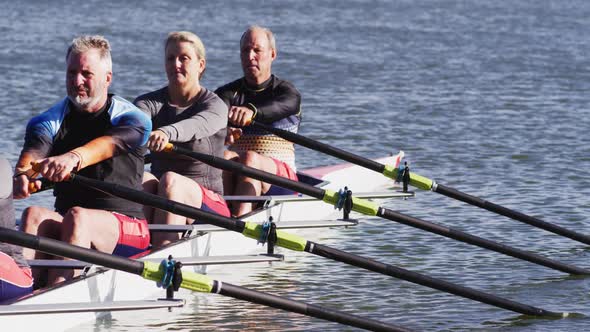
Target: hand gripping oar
(190,280)
(424,183)
(45,185)
(372,209)
(296,243)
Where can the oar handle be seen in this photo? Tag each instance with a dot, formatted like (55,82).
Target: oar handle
(169,147)
(45,185)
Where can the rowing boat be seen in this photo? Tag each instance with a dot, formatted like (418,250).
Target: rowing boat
(207,248)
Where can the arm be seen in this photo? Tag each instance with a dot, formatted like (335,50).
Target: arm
(58,168)
(24,175)
(37,145)
(131,128)
(286,102)
(226,93)
(201,120)
(239,116)
(157,139)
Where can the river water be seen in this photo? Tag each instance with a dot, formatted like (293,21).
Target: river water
(491,98)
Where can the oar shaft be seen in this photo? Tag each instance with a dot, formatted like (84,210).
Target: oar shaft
(492,207)
(305,309)
(480,242)
(427,281)
(162,204)
(63,249)
(325,148)
(238,168)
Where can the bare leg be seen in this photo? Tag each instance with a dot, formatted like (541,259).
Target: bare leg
(228,177)
(150,185)
(180,189)
(32,219)
(249,186)
(40,221)
(86,228)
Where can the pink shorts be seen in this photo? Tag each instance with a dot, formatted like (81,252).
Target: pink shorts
(15,281)
(134,235)
(283,170)
(213,202)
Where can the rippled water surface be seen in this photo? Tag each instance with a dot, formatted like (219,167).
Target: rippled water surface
(491,98)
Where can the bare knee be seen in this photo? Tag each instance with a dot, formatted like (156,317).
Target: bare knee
(31,218)
(252,159)
(258,161)
(74,220)
(231,155)
(168,181)
(150,183)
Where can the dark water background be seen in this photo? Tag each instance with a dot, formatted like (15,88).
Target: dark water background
(490,97)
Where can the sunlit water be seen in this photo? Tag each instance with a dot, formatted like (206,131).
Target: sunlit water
(491,98)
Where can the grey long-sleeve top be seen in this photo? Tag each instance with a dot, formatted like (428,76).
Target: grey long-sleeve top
(200,127)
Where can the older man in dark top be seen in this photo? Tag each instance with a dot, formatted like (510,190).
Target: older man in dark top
(98,135)
(263,97)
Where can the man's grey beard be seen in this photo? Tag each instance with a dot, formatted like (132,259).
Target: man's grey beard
(84,103)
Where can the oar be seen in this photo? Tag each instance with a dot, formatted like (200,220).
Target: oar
(372,209)
(45,185)
(424,183)
(192,281)
(297,243)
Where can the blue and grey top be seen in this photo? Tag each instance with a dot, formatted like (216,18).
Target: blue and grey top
(62,129)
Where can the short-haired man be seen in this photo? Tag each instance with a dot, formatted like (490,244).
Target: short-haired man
(98,135)
(260,96)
